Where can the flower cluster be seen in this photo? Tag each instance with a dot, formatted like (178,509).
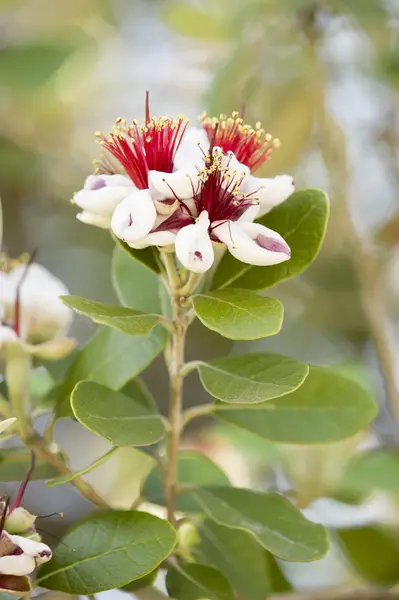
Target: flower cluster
(33,319)
(163,183)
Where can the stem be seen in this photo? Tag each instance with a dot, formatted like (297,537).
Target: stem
(197,411)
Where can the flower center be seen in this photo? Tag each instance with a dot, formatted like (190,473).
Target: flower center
(251,145)
(140,149)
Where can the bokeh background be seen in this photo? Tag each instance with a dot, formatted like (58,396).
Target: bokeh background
(323,76)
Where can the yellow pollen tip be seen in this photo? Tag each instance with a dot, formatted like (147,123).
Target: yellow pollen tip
(98,134)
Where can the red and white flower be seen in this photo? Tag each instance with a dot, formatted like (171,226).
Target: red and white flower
(250,149)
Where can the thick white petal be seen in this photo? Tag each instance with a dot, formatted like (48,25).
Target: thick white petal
(156,238)
(134,217)
(19,564)
(102,201)
(194,247)
(269,192)
(231,164)
(92,219)
(250,214)
(181,184)
(43,315)
(252,243)
(37,550)
(194,145)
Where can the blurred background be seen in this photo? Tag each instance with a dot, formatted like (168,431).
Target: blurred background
(323,76)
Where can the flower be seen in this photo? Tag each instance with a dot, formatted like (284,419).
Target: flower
(99,197)
(221,213)
(249,148)
(32,316)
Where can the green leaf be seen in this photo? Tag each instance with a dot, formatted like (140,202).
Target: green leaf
(191,582)
(278,582)
(141,583)
(373,470)
(195,22)
(276,524)
(124,319)
(193,468)
(62,479)
(237,555)
(326,408)
(239,314)
(15,462)
(120,419)
(111,359)
(146,256)
(301,220)
(373,552)
(107,550)
(29,66)
(252,378)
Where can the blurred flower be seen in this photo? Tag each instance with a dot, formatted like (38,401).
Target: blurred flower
(19,557)
(33,319)
(4,425)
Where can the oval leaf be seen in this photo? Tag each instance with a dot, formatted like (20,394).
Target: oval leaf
(326,408)
(374,470)
(252,378)
(276,524)
(126,320)
(120,419)
(301,220)
(237,555)
(191,581)
(107,550)
(112,359)
(193,468)
(239,314)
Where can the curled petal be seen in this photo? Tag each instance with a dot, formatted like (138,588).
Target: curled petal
(155,238)
(40,552)
(93,219)
(252,243)
(17,564)
(193,147)
(269,192)
(232,165)
(181,184)
(101,194)
(194,247)
(250,213)
(134,217)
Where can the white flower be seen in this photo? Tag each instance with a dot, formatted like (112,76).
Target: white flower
(100,196)
(20,556)
(252,242)
(193,245)
(135,216)
(33,316)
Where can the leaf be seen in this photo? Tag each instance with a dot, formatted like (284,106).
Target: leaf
(146,256)
(62,479)
(143,582)
(195,22)
(373,552)
(278,582)
(326,408)
(29,66)
(192,581)
(238,556)
(301,220)
(193,468)
(252,378)
(107,550)
(120,419)
(136,285)
(276,524)
(373,470)
(124,319)
(239,314)
(15,462)
(111,359)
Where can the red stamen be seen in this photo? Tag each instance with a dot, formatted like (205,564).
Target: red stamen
(17,305)
(251,146)
(4,514)
(18,498)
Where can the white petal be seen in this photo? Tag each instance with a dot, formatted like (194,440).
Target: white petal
(156,238)
(194,145)
(181,184)
(39,551)
(231,164)
(19,564)
(43,315)
(134,217)
(269,192)
(250,214)
(102,201)
(194,247)
(92,219)
(252,243)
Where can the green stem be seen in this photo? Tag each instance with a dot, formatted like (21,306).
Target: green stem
(17,368)
(188,367)
(197,411)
